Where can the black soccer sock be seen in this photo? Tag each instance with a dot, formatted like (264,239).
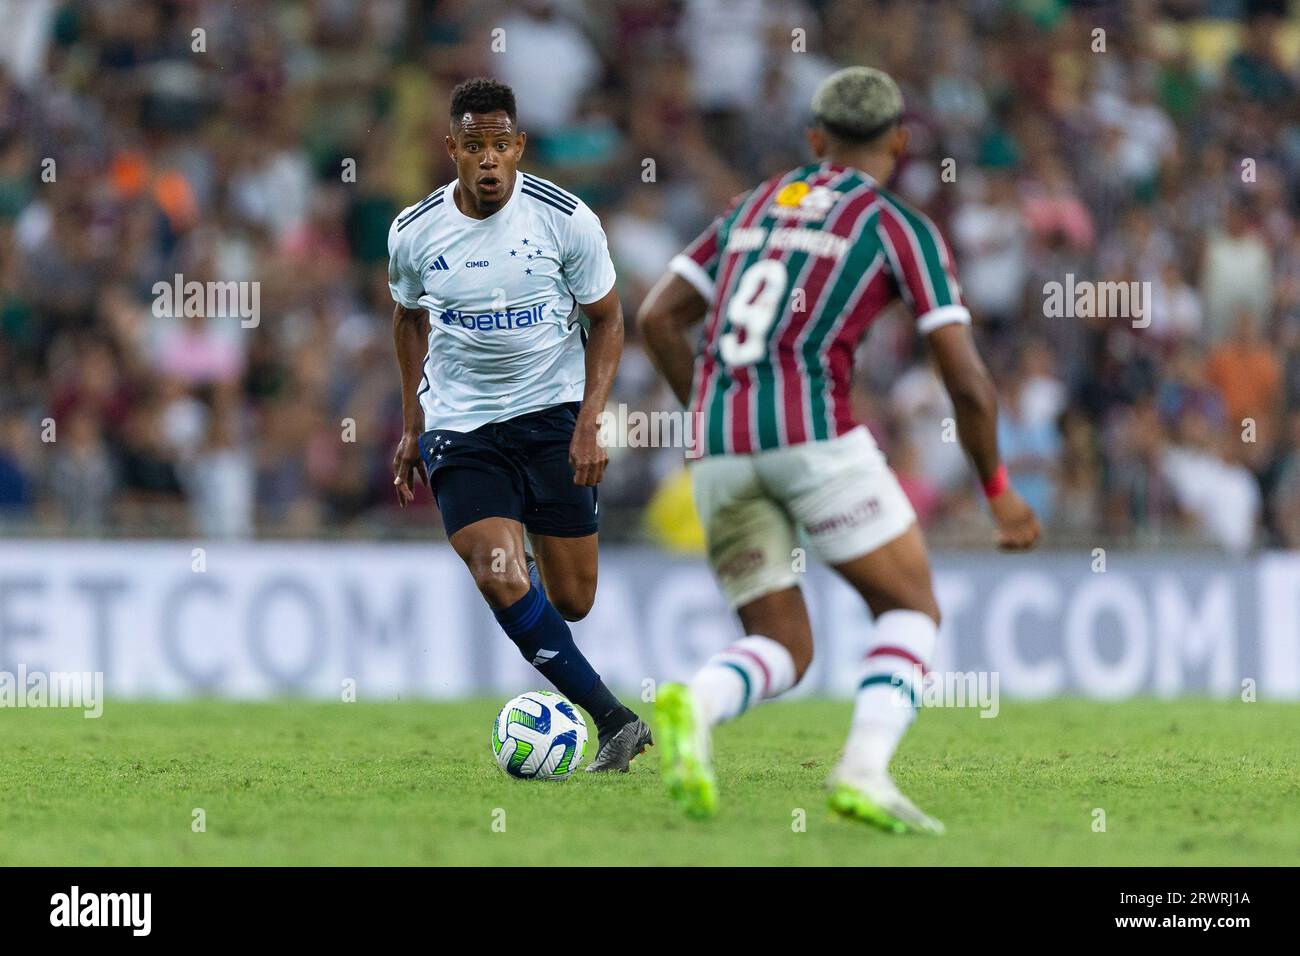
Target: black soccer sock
(545,641)
(607,711)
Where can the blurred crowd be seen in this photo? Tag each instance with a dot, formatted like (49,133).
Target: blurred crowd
(273,141)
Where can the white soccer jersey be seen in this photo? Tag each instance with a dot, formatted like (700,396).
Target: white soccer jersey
(502,296)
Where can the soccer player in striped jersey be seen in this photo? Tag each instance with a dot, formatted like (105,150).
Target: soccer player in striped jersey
(788,281)
(501,389)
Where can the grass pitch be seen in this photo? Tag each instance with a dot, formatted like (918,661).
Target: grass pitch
(1186,782)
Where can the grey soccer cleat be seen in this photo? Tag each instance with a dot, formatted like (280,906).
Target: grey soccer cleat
(619,751)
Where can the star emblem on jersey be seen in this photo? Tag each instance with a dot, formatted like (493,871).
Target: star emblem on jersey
(527,250)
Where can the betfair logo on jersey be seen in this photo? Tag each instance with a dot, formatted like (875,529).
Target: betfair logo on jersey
(497,320)
(804,202)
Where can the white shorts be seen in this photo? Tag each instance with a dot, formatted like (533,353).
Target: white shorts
(841,493)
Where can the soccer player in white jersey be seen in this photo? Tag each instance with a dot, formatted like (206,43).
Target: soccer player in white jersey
(502,388)
(790,278)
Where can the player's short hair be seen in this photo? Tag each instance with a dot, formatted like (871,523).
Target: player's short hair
(482,95)
(857,104)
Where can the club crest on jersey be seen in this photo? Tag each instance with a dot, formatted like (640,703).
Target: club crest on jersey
(526,252)
(803,202)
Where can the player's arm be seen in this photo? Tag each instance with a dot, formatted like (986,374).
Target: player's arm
(927,280)
(975,404)
(410,337)
(679,300)
(668,312)
(604,348)
(591,279)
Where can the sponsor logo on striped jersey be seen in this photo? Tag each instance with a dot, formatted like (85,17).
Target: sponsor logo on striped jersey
(801,200)
(823,244)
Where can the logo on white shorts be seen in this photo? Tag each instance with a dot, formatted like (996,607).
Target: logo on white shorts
(863,511)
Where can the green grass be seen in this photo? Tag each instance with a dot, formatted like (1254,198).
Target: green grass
(1187,782)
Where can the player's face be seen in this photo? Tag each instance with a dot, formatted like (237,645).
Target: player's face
(486,148)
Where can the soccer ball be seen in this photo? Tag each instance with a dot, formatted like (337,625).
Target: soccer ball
(539,736)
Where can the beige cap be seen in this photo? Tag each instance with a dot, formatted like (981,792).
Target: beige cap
(858,100)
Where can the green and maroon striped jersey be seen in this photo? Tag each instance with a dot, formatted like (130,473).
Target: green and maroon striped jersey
(795,271)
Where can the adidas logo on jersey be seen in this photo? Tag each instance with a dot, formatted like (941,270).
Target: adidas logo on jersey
(439,265)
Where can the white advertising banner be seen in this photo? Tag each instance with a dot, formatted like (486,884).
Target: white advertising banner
(164,619)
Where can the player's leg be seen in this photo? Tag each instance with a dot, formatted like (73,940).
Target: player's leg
(894,580)
(561,516)
(770,659)
(567,570)
(750,541)
(859,521)
(480,493)
(561,520)
(493,550)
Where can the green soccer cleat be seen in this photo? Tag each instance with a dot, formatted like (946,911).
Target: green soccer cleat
(874,799)
(686,767)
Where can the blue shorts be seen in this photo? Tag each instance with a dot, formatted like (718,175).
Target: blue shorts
(518,468)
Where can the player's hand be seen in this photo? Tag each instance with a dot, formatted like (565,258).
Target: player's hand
(408,465)
(587,456)
(1017,525)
